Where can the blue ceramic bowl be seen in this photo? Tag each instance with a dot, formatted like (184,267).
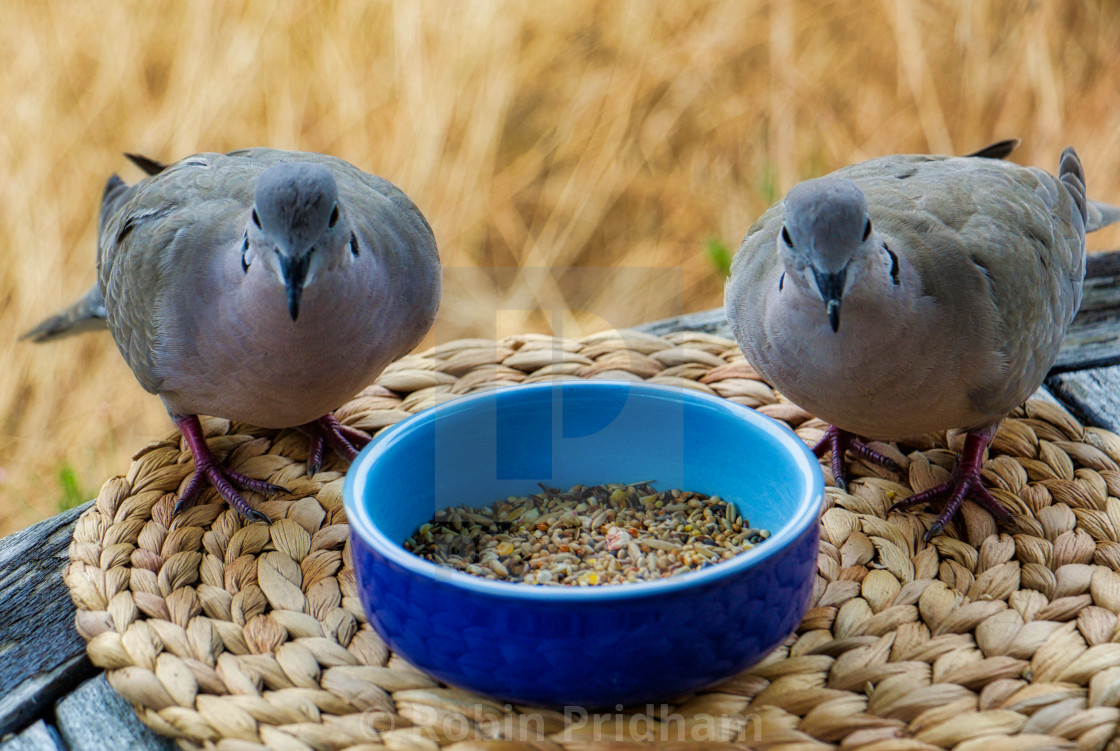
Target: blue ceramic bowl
(584,646)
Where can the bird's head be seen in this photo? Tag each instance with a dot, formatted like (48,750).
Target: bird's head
(826,226)
(296,227)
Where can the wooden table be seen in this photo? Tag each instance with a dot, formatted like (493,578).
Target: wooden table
(51,697)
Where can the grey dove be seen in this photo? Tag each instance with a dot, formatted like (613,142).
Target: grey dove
(912,293)
(262,286)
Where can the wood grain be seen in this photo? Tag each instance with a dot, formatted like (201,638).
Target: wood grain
(38,737)
(95,717)
(42,657)
(1092,395)
(1093,340)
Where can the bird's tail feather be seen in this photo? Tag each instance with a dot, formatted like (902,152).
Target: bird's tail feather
(87,314)
(149,165)
(1101,215)
(997,150)
(1073,177)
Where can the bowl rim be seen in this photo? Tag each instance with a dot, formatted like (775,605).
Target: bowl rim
(361,524)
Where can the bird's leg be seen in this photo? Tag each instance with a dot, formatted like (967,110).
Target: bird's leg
(328,431)
(965,482)
(838,441)
(208,470)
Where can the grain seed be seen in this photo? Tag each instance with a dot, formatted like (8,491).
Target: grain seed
(587,536)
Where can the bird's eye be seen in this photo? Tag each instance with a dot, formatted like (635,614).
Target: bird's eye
(867,229)
(786,238)
(334,216)
(256,219)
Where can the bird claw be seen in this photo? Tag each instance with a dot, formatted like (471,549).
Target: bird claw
(837,442)
(209,472)
(965,482)
(328,431)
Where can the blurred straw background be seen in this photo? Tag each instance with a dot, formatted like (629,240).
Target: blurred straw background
(616,137)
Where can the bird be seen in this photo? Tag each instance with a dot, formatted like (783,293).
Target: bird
(262,286)
(915,293)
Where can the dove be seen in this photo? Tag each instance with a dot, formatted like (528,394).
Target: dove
(914,293)
(262,286)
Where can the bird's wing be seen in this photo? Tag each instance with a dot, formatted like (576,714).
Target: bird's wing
(999,247)
(755,268)
(159,234)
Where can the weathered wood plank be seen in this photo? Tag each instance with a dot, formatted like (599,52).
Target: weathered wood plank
(41,655)
(1092,395)
(96,718)
(1093,340)
(39,737)
(708,321)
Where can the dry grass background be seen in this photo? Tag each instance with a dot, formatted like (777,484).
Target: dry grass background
(612,135)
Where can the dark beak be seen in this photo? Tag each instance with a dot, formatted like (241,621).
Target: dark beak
(294,271)
(832,289)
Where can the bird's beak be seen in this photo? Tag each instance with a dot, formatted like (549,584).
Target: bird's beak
(294,270)
(832,289)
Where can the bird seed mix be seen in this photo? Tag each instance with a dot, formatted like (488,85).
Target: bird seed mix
(587,536)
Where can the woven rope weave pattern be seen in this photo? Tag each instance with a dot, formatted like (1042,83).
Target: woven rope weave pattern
(233,636)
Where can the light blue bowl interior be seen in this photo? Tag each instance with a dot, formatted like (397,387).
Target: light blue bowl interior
(500,443)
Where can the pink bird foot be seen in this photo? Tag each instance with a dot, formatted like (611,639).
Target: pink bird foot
(839,441)
(209,471)
(965,482)
(328,431)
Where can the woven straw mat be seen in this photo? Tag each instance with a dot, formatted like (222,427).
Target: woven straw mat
(233,636)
